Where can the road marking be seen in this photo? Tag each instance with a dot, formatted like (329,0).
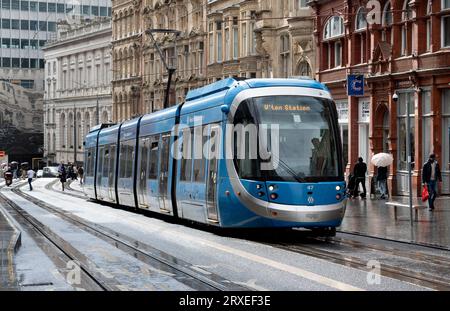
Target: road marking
(266,261)
(280,266)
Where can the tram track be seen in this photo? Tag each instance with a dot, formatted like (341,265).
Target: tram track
(56,248)
(184,272)
(424,279)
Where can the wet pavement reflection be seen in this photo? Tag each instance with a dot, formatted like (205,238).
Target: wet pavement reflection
(375,218)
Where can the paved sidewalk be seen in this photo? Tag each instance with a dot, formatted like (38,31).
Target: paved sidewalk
(9,243)
(373,217)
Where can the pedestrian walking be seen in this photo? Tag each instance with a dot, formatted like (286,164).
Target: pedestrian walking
(80,174)
(431,174)
(62,175)
(30,175)
(382,174)
(360,170)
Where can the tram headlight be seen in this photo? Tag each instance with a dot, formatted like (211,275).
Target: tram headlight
(273,196)
(271,188)
(338,196)
(338,188)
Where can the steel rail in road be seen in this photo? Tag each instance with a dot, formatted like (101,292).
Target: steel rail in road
(399,273)
(287,242)
(143,252)
(57,248)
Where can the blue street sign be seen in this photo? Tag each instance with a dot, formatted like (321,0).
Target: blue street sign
(355,85)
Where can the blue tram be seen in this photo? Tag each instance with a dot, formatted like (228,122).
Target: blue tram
(189,161)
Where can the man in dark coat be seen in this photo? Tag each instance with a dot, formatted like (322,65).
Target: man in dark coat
(431,174)
(360,171)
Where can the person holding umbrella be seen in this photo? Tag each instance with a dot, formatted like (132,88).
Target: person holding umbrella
(382,161)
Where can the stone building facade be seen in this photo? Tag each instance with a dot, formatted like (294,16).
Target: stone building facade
(218,39)
(406,50)
(77,87)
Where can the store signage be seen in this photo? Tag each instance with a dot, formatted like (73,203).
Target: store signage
(355,85)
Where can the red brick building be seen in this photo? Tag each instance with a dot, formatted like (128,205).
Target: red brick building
(406,51)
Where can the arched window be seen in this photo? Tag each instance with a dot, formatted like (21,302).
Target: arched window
(62,132)
(428,25)
(445,20)
(285,49)
(70,133)
(361,22)
(406,29)
(360,36)
(87,123)
(79,132)
(334,27)
(304,69)
(333,34)
(104,117)
(387,23)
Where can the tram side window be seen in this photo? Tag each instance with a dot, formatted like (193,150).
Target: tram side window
(88,162)
(143,156)
(186,154)
(130,159)
(123,160)
(100,162)
(105,162)
(199,157)
(112,159)
(154,155)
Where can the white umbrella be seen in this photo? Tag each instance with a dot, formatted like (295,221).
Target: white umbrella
(382,159)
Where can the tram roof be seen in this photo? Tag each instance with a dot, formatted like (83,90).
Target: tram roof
(226,84)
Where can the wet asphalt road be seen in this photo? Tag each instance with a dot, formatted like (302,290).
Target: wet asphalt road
(240,260)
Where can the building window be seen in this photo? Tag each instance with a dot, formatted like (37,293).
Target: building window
(227,44)
(15,4)
(406,29)
(386,23)
(446,31)
(51,7)
(51,26)
(244,40)
(42,6)
(219,41)
(211,43)
(15,62)
(33,6)
(361,22)
(427,118)
(15,24)
(285,48)
(428,26)
(406,98)
(6,4)
(6,23)
(24,5)
(235,38)
(332,47)
(24,24)
(252,34)
(445,139)
(301,4)
(342,109)
(304,69)
(15,43)
(6,43)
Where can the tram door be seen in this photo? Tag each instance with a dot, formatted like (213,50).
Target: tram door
(164,172)
(143,157)
(211,186)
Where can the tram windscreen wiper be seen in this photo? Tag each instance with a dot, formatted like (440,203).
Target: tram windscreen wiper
(289,169)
